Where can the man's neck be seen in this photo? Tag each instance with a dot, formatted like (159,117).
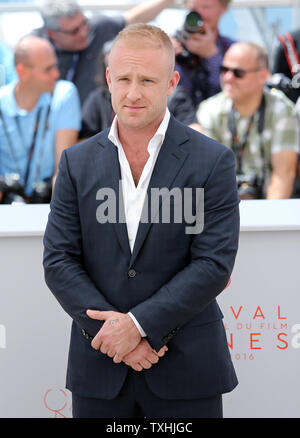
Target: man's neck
(247,108)
(26,99)
(136,139)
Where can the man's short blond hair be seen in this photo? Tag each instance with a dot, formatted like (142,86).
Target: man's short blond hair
(146,35)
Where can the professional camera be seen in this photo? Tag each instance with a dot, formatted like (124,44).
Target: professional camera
(250,186)
(42,192)
(281,82)
(11,189)
(193,24)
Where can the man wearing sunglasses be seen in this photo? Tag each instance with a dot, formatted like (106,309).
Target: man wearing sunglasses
(259,125)
(78,42)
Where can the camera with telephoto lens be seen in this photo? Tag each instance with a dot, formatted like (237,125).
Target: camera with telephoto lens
(193,24)
(250,186)
(11,189)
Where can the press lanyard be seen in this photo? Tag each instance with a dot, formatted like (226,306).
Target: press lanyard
(71,71)
(238,146)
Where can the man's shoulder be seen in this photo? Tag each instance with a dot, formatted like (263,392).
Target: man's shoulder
(214,106)
(6,93)
(277,102)
(64,90)
(84,148)
(194,142)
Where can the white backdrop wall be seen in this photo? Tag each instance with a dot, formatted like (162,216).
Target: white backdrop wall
(260,306)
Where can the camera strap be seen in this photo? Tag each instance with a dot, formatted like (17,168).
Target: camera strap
(33,141)
(72,68)
(238,146)
(290,52)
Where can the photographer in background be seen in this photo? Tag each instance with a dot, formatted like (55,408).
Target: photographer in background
(259,125)
(78,41)
(200,51)
(39,118)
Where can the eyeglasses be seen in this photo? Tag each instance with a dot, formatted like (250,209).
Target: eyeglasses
(75,31)
(237,72)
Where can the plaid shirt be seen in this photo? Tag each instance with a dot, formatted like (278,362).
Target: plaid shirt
(281,128)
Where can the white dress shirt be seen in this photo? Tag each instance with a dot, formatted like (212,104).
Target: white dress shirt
(133,196)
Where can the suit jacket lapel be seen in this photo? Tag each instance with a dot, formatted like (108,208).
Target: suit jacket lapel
(107,165)
(169,161)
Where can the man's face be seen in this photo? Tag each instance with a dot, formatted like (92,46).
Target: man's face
(72,34)
(240,89)
(41,71)
(210,10)
(140,80)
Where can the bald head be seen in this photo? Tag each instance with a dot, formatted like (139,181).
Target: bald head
(254,53)
(31,48)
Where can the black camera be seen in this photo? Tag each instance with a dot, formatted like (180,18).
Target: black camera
(42,192)
(250,186)
(281,82)
(11,189)
(193,24)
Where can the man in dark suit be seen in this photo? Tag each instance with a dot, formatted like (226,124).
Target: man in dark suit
(147,335)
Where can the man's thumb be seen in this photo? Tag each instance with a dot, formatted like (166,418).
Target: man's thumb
(97,314)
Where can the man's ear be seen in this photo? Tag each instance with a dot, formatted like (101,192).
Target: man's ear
(108,78)
(173,81)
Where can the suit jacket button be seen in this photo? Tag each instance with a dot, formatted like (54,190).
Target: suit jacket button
(131,273)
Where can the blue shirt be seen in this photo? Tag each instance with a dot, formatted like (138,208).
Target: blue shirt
(7,68)
(65,113)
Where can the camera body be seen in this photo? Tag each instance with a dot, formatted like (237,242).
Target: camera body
(42,192)
(250,186)
(13,191)
(281,82)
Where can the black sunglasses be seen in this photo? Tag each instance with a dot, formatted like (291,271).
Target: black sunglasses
(237,72)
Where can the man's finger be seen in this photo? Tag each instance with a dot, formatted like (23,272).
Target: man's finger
(98,314)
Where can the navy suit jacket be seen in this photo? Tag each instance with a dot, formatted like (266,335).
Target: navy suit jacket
(169,282)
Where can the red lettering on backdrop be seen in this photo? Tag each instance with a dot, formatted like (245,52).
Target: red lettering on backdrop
(280,317)
(236,316)
(230,345)
(257,315)
(283,341)
(252,340)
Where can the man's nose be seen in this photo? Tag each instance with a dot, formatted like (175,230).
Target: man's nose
(228,76)
(133,92)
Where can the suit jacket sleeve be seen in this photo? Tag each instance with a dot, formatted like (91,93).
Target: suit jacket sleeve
(65,274)
(212,256)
